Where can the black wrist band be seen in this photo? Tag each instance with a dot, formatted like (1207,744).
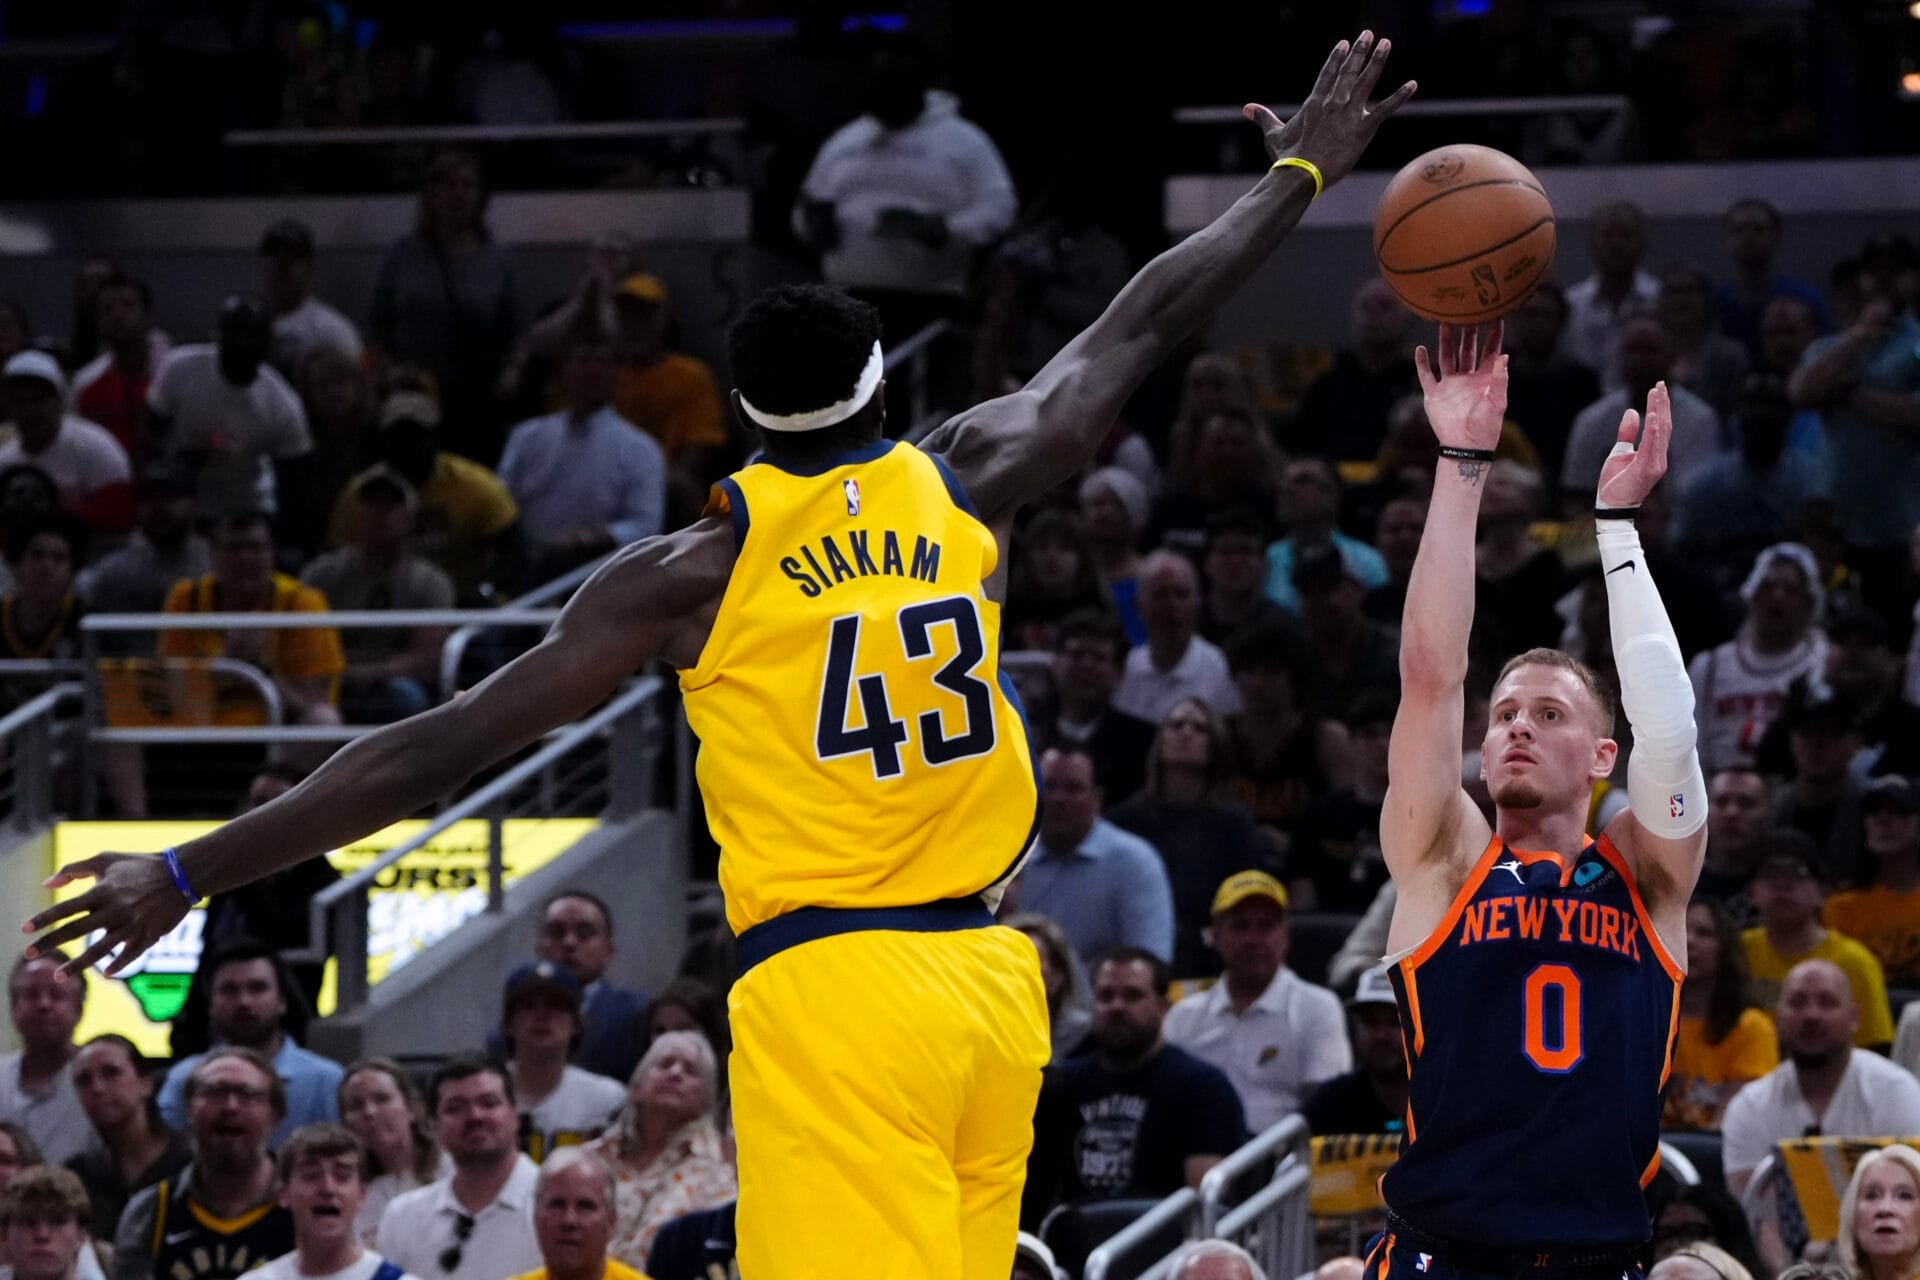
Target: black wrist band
(1615,513)
(1466,455)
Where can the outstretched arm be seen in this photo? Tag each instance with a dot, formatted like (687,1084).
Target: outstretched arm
(1010,450)
(1427,814)
(618,622)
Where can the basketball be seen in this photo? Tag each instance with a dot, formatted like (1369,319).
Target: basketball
(1463,234)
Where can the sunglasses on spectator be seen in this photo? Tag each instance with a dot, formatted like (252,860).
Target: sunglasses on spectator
(462,1229)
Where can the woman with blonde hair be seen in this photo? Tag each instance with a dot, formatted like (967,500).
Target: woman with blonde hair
(664,1147)
(379,1102)
(1069,1004)
(1702,1260)
(1880,1216)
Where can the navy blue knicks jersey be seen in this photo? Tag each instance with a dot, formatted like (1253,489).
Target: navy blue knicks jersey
(1538,1019)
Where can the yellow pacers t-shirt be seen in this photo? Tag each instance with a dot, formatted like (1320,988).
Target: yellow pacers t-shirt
(1705,1075)
(1887,923)
(616,1270)
(1770,968)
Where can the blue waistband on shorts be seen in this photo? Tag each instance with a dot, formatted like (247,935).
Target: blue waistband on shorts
(771,937)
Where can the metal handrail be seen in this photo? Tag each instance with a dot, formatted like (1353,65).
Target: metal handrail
(346,619)
(42,667)
(32,721)
(1183,1204)
(454,651)
(431,133)
(1281,1251)
(17,719)
(1434,107)
(1290,1134)
(1676,1162)
(352,983)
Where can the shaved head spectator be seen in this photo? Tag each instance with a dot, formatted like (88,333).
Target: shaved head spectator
(1174,663)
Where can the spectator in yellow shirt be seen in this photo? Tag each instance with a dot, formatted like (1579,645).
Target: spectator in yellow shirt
(305,663)
(573,1218)
(1886,914)
(1788,896)
(1723,1041)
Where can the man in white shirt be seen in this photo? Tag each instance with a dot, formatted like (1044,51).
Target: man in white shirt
(1276,1036)
(1741,687)
(1617,239)
(477,1223)
(226,415)
(36,1084)
(585,478)
(1825,1087)
(302,324)
(322,1185)
(87,464)
(1174,663)
(1643,357)
(560,1105)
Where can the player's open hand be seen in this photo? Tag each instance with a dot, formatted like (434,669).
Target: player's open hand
(1467,399)
(1335,124)
(133,903)
(1639,456)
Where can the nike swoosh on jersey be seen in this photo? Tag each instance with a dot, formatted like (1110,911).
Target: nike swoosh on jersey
(1624,564)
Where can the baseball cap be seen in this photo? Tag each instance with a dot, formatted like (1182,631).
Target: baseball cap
(410,406)
(1892,792)
(1242,885)
(542,975)
(646,288)
(1034,1250)
(1318,567)
(37,365)
(1373,988)
(1787,851)
(289,235)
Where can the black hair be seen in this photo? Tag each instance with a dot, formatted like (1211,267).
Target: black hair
(1093,624)
(1270,646)
(798,348)
(58,523)
(464,1067)
(1725,1219)
(121,280)
(1162,975)
(240,521)
(606,912)
(1727,998)
(242,950)
(1238,521)
(1765,207)
(706,1006)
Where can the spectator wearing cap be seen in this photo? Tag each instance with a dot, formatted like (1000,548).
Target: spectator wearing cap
(1114,501)
(467,521)
(1105,887)
(1788,894)
(477,1222)
(1885,916)
(585,480)
(1741,685)
(305,663)
(1089,652)
(1737,504)
(162,550)
(389,672)
(86,462)
(225,415)
(1188,814)
(323,1184)
(1280,753)
(1347,653)
(668,394)
(1865,381)
(1173,663)
(573,1220)
(1333,860)
(1824,1087)
(1822,797)
(1310,508)
(1275,1035)
(576,932)
(560,1105)
(1235,567)
(111,389)
(1139,1117)
(302,324)
(1372,1098)
(1750,231)
(43,1217)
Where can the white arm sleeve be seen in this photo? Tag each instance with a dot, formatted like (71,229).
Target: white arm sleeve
(1664,782)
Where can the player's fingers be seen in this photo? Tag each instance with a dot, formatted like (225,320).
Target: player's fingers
(84,869)
(1371,72)
(1497,337)
(1267,121)
(1629,427)
(1330,70)
(1356,61)
(132,947)
(92,955)
(1448,344)
(1423,370)
(53,940)
(59,911)
(1381,110)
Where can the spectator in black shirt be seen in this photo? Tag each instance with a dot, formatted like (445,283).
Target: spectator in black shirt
(1823,798)
(1229,461)
(1372,1098)
(1236,572)
(1348,653)
(1088,651)
(1545,390)
(1738,817)
(1053,576)
(1396,537)
(1864,672)
(1516,579)
(1344,413)
(1334,861)
(1282,754)
(1136,1118)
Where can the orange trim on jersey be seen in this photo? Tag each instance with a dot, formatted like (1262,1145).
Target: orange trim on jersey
(1386,1256)
(1618,863)
(1435,940)
(1653,1168)
(1413,1008)
(1673,1032)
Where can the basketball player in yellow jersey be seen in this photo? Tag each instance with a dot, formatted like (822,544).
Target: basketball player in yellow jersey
(835,621)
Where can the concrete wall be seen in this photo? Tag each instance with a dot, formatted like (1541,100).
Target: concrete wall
(25,861)
(448,999)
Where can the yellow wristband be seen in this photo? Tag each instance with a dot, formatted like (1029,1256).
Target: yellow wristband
(1313,171)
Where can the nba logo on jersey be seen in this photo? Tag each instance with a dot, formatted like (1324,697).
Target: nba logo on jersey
(1421,1261)
(1676,805)
(851,488)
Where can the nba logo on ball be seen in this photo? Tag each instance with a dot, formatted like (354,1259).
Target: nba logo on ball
(852,489)
(1676,806)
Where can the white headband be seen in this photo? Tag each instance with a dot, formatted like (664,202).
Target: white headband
(838,411)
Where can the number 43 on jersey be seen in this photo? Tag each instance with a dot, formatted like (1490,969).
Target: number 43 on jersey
(945,735)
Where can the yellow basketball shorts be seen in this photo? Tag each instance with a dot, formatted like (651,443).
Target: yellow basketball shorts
(884,1083)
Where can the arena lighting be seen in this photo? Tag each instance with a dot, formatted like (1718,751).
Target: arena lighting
(1913,10)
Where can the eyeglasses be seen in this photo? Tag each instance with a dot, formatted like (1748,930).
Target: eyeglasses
(462,1229)
(242,1093)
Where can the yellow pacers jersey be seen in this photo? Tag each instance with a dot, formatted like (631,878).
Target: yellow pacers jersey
(860,746)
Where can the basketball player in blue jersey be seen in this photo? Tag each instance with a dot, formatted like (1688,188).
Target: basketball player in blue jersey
(834,619)
(1537,971)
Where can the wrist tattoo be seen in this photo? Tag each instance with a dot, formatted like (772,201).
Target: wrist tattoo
(1472,472)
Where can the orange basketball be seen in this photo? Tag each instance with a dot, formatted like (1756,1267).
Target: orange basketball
(1463,234)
